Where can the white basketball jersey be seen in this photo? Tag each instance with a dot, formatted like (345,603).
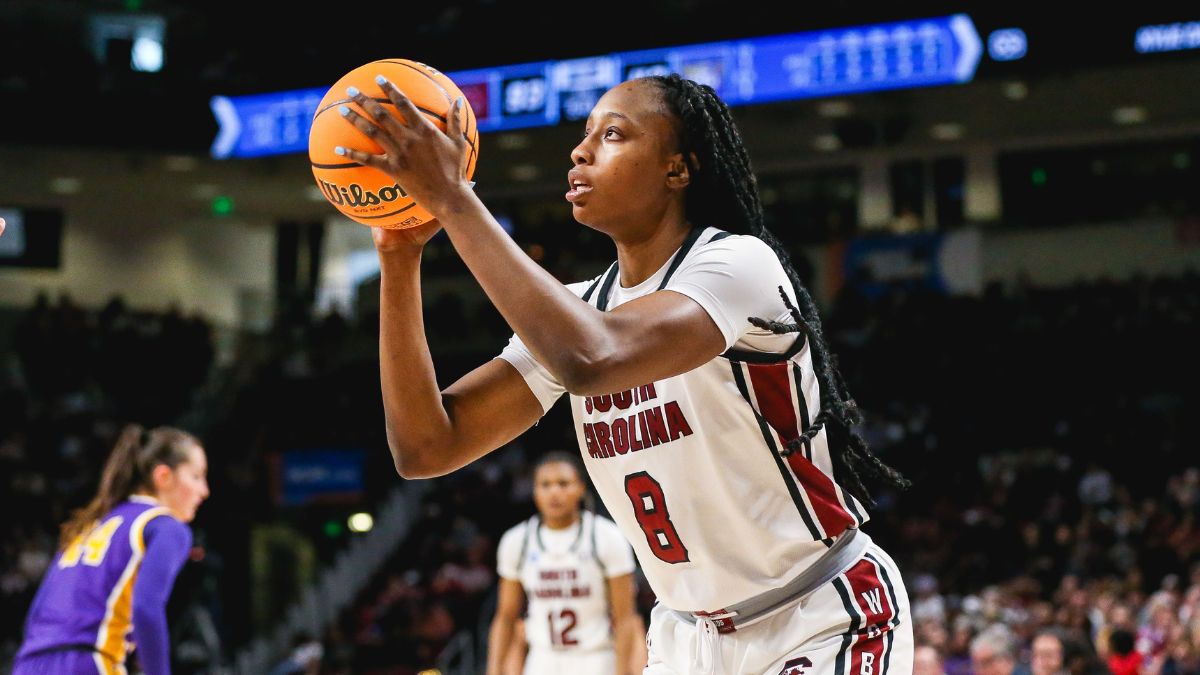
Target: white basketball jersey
(689,466)
(565,577)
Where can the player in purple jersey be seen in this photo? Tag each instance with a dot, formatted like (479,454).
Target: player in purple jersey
(117,561)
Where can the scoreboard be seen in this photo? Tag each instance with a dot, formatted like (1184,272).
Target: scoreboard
(917,53)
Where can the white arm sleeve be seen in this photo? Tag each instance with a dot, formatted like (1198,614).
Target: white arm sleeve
(508,553)
(612,548)
(544,384)
(733,279)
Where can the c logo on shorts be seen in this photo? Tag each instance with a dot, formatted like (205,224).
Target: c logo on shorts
(796,666)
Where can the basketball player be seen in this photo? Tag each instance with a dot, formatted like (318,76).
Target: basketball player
(118,560)
(575,572)
(708,408)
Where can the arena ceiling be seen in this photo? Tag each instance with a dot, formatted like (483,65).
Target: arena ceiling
(143,137)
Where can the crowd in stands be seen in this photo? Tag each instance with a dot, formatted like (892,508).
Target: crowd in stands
(1048,434)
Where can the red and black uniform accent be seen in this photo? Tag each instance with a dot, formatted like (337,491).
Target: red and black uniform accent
(869,598)
(775,390)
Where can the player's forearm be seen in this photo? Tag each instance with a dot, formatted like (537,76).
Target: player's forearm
(565,334)
(624,633)
(499,641)
(151,636)
(417,423)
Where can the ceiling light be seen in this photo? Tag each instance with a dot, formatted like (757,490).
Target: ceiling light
(835,108)
(827,143)
(524,172)
(512,141)
(66,185)
(204,191)
(1016,90)
(180,163)
(1131,114)
(946,131)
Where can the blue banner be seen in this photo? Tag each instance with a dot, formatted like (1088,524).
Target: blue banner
(308,476)
(944,263)
(905,54)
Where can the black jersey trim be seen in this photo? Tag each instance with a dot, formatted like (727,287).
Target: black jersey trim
(849,635)
(587,296)
(606,287)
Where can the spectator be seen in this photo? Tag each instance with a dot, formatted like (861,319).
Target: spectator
(1047,657)
(927,661)
(993,652)
(1123,659)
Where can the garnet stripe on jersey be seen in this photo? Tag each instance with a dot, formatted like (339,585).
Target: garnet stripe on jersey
(776,396)
(864,579)
(865,646)
(847,500)
(773,390)
(891,591)
(890,636)
(788,479)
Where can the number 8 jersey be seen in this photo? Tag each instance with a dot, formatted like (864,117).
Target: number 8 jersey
(565,576)
(689,466)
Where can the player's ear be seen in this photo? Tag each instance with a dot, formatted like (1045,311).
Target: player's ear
(679,174)
(161,477)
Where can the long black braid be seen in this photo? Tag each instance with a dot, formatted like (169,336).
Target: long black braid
(724,193)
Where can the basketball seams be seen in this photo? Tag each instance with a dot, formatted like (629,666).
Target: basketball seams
(431,78)
(381,101)
(348,165)
(341,165)
(471,120)
(428,113)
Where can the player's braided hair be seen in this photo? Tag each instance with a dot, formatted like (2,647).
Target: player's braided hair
(724,193)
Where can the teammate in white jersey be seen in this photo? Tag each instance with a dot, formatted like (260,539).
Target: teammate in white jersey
(573,572)
(709,410)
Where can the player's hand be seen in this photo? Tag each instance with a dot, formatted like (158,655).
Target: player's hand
(430,163)
(1,226)
(387,241)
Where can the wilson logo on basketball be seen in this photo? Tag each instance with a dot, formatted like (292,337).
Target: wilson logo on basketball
(355,196)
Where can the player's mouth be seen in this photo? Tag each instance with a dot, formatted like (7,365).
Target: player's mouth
(579,186)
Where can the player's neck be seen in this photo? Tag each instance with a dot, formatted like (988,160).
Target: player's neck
(641,257)
(563,523)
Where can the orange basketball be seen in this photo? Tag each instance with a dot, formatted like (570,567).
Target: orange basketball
(368,195)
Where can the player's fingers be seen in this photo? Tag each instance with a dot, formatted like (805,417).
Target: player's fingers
(366,127)
(364,158)
(454,122)
(411,114)
(377,112)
